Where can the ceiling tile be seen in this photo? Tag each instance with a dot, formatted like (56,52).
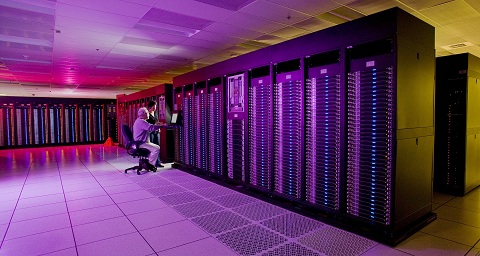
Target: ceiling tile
(421,5)
(69,22)
(13,8)
(368,7)
(270,39)
(313,24)
(275,12)
(233,5)
(95,16)
(162,38)
(86,34)
(194,8)
(26,25)
(450,12)
(289,32)
(251,22)
(230,30)
(312,7)
(465,27)
(124,8)
(206,35)
(172,18)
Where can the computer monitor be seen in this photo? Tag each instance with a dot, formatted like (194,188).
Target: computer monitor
(174,118)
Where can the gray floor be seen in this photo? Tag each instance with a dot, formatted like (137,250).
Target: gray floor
(77,201)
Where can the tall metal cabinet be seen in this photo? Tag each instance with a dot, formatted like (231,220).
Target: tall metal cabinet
(457,124)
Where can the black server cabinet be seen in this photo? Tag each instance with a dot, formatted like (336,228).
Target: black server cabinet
(179,155)
(200,129)
(71,123)
(260,120)
(84,122)
(24,124)
(111,122)
(390,135)
(165,107)
(98,119)
(371,134)
(7,134)
(216,127)
(40,124)
(457,124)
(56,123)
(236,127)
(188,126)
(324,130)
(288,129)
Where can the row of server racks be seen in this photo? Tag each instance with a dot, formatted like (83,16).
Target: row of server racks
(32,122)
(336,132)
(457,124)
(128,107)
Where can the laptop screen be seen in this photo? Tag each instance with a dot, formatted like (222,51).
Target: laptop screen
(174,118)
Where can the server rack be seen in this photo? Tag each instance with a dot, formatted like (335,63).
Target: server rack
(188,126)
(40,124)
(71,123)
(457,124)
(201,124)
(23,124)
(84,122)
(324,130)
(216,127)
(371,135)
(236,127)
(259,129)
(111,122)
(179,155)
(56,123)
(8,126)
(98,118)
(287,129)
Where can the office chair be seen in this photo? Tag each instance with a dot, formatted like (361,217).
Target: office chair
(133,149)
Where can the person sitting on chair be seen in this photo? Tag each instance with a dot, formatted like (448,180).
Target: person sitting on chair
(141,132)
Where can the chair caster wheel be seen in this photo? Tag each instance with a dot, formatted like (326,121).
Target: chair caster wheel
(154,169)
(125,171)
(138,172)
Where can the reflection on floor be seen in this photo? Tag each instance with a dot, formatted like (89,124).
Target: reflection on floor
(77,201)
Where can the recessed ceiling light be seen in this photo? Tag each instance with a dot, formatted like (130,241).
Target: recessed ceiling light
(457,46)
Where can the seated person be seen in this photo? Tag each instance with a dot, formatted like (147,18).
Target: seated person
(141,132)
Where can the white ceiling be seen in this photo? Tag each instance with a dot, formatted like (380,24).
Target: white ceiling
(101,48)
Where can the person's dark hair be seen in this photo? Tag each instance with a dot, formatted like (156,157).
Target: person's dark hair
(151,104)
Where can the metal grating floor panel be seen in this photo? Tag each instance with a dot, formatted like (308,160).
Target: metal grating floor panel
(259,211)
(166,190)
(183,179)
(214,192)
(173,173)
(200,184)
(292,225)
(291,249)
(332,241)
(251,240)
(220,222)
(198,208)
(180,198)
(234,200)
(154,183)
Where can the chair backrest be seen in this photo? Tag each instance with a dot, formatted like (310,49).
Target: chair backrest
(127,135)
